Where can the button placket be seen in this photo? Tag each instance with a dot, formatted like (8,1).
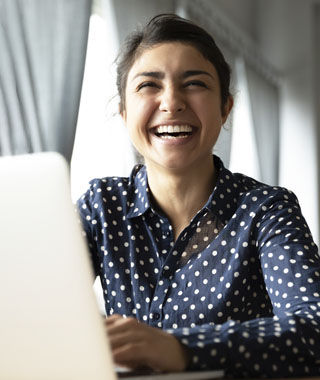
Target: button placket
(155,311)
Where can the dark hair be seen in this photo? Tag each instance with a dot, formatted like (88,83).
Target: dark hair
(170,28)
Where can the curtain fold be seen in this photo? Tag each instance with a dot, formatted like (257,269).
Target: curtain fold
(255,133)
(244,156)
(42,54)
(264,99)
(102,146)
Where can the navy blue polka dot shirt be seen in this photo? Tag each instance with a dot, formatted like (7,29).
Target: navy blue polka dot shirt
(240,287)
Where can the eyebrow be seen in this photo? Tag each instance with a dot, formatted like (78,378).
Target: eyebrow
(191,73)
(160,75)
(152,74)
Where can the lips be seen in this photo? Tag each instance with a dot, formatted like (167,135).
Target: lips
(173,131)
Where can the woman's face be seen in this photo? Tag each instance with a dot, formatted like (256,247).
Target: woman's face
(173,107)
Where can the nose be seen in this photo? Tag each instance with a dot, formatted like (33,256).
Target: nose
(171,101)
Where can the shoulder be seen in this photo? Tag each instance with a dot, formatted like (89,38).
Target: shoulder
(260,201)
(106,189)
(247,192)
(272,209)
(256,192)
(271,214)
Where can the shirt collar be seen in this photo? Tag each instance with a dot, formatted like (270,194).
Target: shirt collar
(139,199)
(224,198)
(222,201)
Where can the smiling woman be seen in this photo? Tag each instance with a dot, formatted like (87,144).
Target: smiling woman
(200,267)
(173,86)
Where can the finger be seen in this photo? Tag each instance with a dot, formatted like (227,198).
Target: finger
(120,340)
(113,318)
(124,337)
(133,345)
(120,325)
(130,355)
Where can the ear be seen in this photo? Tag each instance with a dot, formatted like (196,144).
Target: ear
(227,109)
(123,114)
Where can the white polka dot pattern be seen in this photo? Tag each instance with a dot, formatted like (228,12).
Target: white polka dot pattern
(240,286)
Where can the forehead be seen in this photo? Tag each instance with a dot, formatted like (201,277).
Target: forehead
(170,57)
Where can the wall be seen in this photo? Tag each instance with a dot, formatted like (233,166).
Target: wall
(129,13)
(242,13)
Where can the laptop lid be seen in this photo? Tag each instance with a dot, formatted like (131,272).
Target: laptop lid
(50,326)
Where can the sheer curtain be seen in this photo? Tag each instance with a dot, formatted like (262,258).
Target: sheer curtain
(255,132)
(102,147)
(264,99)
(243,153)
(42,54)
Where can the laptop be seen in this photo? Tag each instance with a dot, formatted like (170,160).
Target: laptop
(50,324)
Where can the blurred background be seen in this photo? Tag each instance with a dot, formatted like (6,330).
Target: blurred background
(57,85)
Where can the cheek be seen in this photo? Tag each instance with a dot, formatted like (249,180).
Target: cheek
(209,115)
(206,107)
(139,112)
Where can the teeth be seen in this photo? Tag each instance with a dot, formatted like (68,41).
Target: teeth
(173,129)
(174,137)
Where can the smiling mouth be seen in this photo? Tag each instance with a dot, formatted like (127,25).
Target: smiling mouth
(173,131)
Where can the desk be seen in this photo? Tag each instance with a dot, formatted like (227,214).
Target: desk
(285,378)
(204,375)
(197,375)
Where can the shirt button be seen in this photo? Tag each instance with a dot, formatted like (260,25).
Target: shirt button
(156,316)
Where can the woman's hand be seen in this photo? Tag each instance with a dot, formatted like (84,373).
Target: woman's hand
(135,344)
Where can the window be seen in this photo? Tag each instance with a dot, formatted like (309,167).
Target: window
(102,147)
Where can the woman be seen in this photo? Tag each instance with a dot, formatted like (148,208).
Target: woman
(200,267)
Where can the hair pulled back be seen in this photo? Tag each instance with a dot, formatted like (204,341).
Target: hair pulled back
(170,28)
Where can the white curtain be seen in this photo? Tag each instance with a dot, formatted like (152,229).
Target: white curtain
(102,147)
(42,54)
(244,154)
(264,98)
(255,141)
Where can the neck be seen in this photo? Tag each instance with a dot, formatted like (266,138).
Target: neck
(181,194)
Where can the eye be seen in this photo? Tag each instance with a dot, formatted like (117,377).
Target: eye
(146,85)
(195,83)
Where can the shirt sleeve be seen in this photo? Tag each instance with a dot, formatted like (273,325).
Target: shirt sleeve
(286,344)
(84,208)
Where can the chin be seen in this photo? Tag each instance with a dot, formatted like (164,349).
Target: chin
(175,166)
(174,163)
